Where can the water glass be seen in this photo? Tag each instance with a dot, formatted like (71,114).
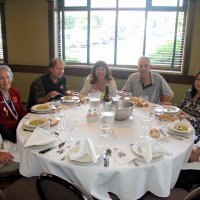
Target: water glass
(107,114)
(105,134)
(75,97)
(127,96)
(146,125)
(144,98)
(94,100)
(159,110)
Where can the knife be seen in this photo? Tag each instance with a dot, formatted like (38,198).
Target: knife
(50,148)
(105,160)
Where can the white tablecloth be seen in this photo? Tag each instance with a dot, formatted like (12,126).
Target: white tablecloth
(127,181)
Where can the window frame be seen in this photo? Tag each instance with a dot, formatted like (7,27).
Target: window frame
(124,72)
(3,31)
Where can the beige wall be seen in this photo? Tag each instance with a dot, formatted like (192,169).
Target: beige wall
(27,40)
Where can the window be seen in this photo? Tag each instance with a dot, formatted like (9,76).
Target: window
(120,31)
(3,57)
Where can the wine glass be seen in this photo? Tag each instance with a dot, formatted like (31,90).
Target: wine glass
(75,97)
(146,125)
(127,96)
(145,99)
(105,133)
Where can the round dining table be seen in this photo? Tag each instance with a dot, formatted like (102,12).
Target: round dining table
(129,181)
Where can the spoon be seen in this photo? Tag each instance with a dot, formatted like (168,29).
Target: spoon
(108,153)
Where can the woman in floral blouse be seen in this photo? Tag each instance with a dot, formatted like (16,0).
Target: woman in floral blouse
(190,106)
(191,110)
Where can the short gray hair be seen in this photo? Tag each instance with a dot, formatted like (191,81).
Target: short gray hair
(145,58)
(6,68)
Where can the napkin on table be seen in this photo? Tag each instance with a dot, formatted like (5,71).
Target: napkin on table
(148,148)
(39,137)
(86,148)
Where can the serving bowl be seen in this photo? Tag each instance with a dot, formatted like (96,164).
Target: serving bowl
(123,110)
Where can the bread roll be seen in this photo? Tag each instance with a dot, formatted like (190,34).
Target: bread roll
(154,133)
(54,122)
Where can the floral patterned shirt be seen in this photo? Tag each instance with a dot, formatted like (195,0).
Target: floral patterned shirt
(193,109)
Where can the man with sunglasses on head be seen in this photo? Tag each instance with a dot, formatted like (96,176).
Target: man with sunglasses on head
(147,83)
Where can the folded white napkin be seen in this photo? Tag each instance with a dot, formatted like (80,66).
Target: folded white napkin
(149,148)
(86,148)
(39,137)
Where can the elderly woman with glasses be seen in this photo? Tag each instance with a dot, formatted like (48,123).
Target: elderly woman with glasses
(11,107)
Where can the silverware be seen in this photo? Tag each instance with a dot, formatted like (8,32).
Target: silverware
(105,159)
(136,164)
(65,156)
(28,130)
(50,148)
(107,154)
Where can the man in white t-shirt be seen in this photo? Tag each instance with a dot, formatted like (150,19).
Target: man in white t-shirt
(147,83)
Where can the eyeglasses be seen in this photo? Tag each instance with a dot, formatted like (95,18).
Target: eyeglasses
(5,78)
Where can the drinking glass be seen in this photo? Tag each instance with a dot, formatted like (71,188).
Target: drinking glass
(107,114)
(75,97)
(145,99)
(105,134)
(159,110)
(127,96)
(66,126)
(146,125)
(94,100)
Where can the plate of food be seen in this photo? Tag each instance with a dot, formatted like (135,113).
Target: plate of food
(41,108)
(36,122)
(171,109)
(69,100)
(139,102)
(179,127)
(168,118)
(86,159)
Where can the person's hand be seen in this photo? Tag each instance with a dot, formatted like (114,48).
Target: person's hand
(182,114)
(194,157)
(53,94)
(6,158)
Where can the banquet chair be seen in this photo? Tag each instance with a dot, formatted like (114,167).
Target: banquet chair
(2,195)
(51,187)
(22,189)
(193,195)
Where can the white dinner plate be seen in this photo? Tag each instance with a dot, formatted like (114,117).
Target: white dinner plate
(41,108)
(69,100)
(181,128)
(171,110)
(85,160)
(36,122)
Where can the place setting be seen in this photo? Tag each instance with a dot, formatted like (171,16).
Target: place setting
(42,108)
(33,122)
(84,154)
(149,150)
(182,129)
(40,139)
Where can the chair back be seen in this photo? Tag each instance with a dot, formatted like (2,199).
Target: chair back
(51,187)
(193,195)
(2,195)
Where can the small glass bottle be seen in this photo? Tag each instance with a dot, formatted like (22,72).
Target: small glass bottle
(106,96)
